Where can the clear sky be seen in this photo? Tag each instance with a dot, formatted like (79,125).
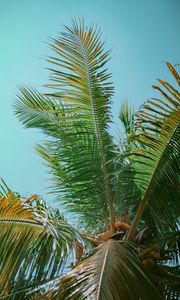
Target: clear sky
(142,34)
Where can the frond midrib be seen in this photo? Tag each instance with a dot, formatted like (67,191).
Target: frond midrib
(102,271)
(107,185)
(20,221)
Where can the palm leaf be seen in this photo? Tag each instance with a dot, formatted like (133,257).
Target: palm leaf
(172,284)
(157,164)
(113,271)
(76,114)
(34,245)
(171,244)
(4,189)
(126,116)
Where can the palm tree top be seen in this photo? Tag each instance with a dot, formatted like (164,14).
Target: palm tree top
(126,196)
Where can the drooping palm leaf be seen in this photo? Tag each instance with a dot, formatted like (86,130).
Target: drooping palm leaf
(113,271)
(34,245)
(76,114)
(157,164)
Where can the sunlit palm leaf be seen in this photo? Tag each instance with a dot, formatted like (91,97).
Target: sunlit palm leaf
(4,189)
(34,245)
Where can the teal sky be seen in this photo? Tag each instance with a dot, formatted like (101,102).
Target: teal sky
(142,34)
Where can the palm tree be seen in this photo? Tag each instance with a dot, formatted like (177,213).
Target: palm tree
(125,195)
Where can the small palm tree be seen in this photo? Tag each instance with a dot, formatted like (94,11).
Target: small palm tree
(125,195)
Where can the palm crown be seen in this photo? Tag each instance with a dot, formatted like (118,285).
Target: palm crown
(126,195)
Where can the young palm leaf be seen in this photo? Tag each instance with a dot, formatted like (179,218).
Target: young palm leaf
(76,114)
(126,116)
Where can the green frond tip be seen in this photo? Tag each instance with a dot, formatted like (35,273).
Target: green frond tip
(126,116)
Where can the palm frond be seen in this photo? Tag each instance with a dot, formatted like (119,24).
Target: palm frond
(157,164)
(172,283)
(34,244)
(113,271)
(77,114)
